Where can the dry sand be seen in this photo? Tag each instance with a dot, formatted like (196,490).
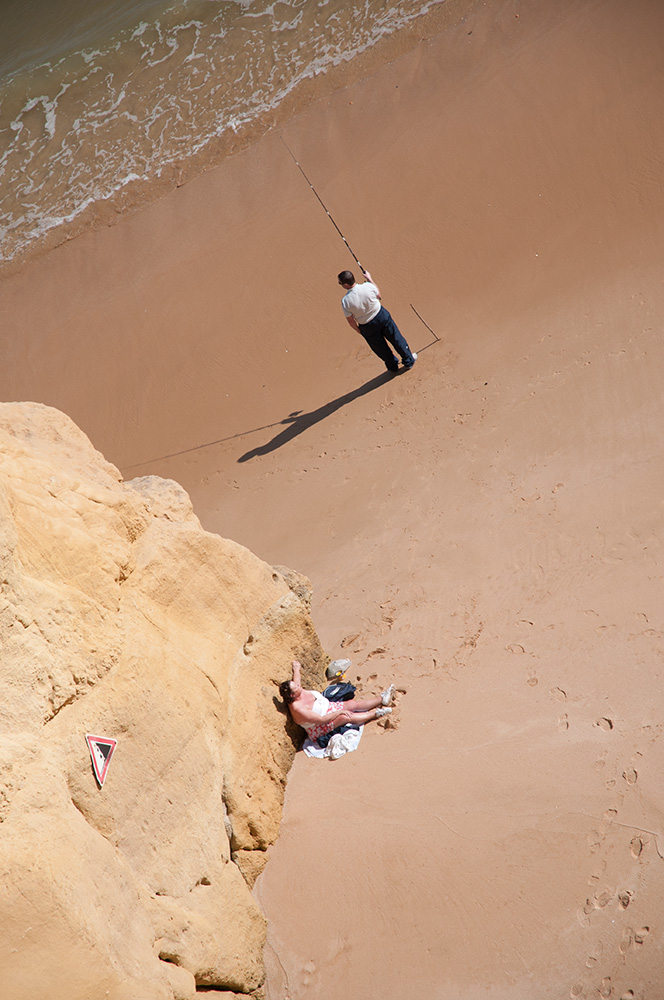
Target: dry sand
(486,529)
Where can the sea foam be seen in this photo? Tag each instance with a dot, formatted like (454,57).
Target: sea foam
(77,130)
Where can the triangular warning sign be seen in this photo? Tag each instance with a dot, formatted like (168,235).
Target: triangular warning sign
(101,750)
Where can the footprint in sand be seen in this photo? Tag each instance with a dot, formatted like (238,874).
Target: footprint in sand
(605,724)
(379,651)
(389,613)
(308,971)
(563,722)
(605,987)
(558,693)
(595,839)
(630,776)
(626,940)
(636,845)
(624,899)
(597,902)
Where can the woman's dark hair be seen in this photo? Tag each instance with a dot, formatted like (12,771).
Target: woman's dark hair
(286,692)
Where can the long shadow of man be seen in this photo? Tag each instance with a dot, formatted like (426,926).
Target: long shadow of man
(299,422)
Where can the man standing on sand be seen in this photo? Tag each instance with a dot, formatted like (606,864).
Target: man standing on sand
(363,311)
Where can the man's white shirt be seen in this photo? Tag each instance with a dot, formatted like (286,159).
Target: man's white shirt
(362,302)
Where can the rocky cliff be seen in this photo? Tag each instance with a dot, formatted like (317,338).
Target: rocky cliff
(121,618)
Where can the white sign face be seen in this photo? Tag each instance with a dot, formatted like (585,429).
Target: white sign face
(101,750)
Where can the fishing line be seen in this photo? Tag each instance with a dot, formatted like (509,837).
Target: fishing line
(425,323)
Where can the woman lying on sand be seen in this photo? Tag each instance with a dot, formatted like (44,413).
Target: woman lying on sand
(308,708)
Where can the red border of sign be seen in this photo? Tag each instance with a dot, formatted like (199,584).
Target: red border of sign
(107,741)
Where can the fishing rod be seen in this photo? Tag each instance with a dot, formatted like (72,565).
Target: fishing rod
(325,209)
(350,249)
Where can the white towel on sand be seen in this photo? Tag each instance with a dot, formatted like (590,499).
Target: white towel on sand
(340,744)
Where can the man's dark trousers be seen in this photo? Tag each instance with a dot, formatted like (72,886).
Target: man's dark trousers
(381,331)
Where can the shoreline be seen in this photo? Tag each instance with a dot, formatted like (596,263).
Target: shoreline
(141,192)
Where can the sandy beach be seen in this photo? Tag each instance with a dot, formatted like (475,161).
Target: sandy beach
(485,530)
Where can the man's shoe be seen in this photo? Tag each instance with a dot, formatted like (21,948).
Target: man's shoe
(380,712)
(408,367)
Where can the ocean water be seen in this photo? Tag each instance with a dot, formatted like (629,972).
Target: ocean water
(99,96)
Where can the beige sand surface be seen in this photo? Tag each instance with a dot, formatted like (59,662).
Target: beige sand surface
(486,529)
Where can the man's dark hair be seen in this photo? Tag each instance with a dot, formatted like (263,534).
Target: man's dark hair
(286,692)
(346,278)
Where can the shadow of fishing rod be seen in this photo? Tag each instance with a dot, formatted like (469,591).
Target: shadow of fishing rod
(210,444)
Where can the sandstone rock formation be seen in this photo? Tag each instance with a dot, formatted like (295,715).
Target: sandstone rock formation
(121,617)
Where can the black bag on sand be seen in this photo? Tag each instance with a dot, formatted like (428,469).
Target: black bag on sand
(341,691)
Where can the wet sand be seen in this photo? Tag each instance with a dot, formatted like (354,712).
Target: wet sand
(486,530)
